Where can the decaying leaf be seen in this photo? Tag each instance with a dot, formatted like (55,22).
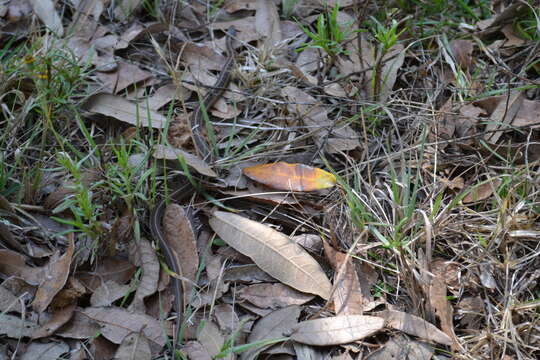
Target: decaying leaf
(462,51)
(337,330)
(108,292)
(14,264)
(393,60)
(273,252)
(482,192)
(109,268)
(413,325)
(57,320)
(404,349)
(347,296)
(143,255)
(125,75)
(79,327)
(267,23)
(17,327)
(181,238)
(503,115)
(50,350)
(134,347)
(8,301)
(290,177)
(55,276)
(211,338)
(273,296)
(275,325)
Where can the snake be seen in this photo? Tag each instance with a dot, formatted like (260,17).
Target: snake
(186,189)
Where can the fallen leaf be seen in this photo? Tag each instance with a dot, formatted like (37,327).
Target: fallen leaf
(165,94)
(126,111)
(413,325)
(337,330)
(227,318)
(143,255)
(348,298)
(195,350)
(45,351)
(108,268)
(46,12)
(134,347)
(17,327)
(57,320)
(392,60)
(275,325)
(273,252)
(9,302)
(125,75)
(125,8)
(462,51)
(79,327)
(246,274)
(503,115)
(180,236)
(335,136)
(437,294)
(170,153)
(117,323)
(108,292)
(54,278)
(402,348)
(14,264)
(482,192)
(290,177)
(472,310)
(267,24)
(211,338)
(273,296)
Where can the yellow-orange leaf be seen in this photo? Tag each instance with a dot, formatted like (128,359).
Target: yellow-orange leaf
(295,177)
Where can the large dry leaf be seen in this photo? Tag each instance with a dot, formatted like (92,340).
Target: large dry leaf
(273,252)
(334,136)
(413,325)
(181,238)
(125,8)
(54,278)
(143,255)
(275,325)
(46,12)
(273,296)
(291,177)
(126,111)
(337,330)
(117,323)
(170,153)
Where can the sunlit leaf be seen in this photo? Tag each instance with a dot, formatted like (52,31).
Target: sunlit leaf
(295,177)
